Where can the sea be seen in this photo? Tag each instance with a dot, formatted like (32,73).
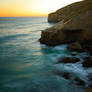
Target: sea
(26,65)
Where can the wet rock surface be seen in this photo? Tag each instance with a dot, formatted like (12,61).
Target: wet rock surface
(75,47)
(79,82)
(65,75)
(73,54)
(69,60)
(87,62)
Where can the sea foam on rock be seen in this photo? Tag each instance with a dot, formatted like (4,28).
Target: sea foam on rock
(74,26)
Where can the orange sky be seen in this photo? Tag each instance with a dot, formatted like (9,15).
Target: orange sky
(30,7)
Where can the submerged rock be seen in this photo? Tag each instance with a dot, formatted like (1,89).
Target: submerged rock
(90,77)
(79,82)
(73,54)
(69,60)
(75,47)
(88,47)
(66,75)
(87,63)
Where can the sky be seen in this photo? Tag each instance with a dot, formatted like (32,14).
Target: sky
(14,8)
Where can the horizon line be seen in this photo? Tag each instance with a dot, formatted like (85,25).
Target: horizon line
(24,16)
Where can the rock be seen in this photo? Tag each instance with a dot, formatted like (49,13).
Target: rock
(90,85)
(66,75)
(87,45)
(76,26)
(75,47)
(52,17)
(90,77)
(87,63)
(88,90)
(50,37)
(66,11)
(89,49)
(79,82)
(73,54)
(87,58)
(69,60)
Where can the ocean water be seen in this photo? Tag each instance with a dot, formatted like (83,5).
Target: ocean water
(27,66)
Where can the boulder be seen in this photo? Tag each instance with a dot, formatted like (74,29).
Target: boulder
(69,60)
(75,47)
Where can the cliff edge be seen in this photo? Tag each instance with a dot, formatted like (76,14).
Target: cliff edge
(75,25)
(67,11)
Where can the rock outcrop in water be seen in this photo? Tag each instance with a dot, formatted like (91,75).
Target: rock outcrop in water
(75,25)
(69,60)
(87,62)
(75,47)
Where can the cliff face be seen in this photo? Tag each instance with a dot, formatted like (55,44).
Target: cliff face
(67,11)
(75,25)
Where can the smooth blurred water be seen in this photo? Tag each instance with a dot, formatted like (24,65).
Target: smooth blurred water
(26,65)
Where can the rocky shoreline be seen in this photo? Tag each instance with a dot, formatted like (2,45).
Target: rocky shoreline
(74,27)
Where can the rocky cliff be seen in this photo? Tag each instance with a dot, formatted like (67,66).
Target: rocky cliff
(75,25)
(67,11)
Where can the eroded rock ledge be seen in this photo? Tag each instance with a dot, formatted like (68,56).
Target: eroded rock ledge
(74,27)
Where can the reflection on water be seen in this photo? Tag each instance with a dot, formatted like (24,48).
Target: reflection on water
(25,64)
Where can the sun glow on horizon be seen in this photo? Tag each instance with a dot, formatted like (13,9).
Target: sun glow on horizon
(31,7)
